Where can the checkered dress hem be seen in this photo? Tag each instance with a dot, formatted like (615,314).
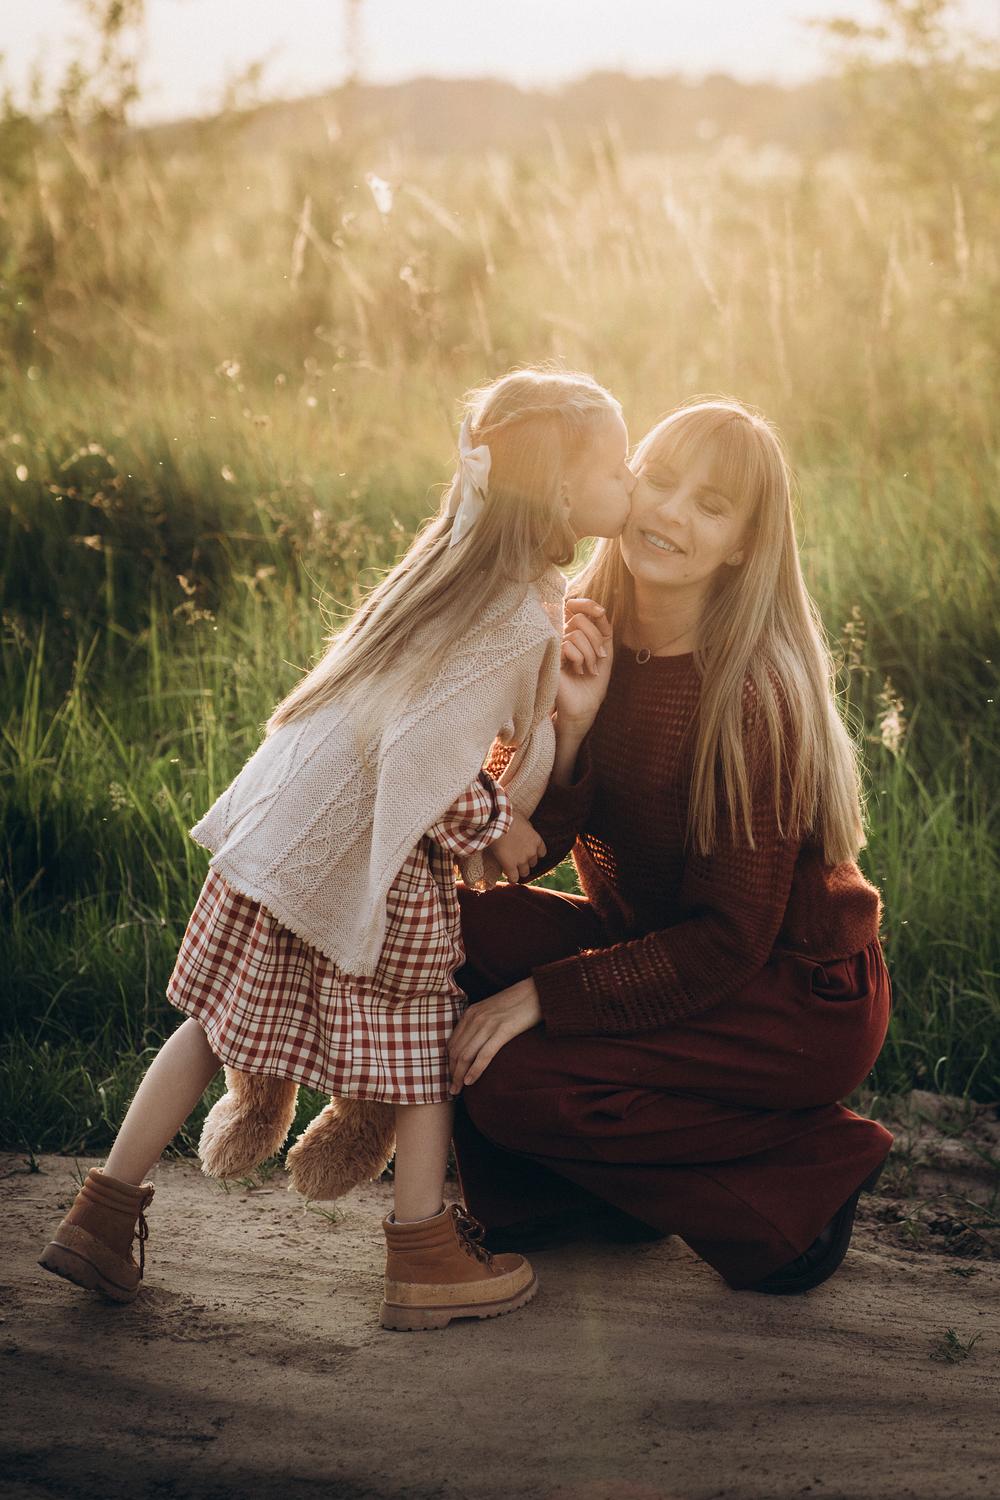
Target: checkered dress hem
(270,1004)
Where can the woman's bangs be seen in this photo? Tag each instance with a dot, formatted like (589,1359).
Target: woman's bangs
(727,439)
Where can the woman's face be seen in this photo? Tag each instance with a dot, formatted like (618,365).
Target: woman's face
(681,529)
(600,482)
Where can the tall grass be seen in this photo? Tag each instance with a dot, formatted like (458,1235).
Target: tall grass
(231,395)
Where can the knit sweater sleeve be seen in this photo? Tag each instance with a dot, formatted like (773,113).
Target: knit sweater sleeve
(520,760)
(562,813)
(732,903)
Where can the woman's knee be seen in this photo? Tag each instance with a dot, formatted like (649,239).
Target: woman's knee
(494,1104)
(513,929)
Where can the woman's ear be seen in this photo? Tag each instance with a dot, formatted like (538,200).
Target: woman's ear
(735,560)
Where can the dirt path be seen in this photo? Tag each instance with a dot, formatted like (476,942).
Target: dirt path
(251,1364)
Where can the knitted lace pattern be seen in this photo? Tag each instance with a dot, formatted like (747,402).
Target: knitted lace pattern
(685,931)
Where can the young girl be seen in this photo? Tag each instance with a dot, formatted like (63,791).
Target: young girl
(323,946)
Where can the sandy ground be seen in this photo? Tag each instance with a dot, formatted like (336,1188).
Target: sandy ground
(251,1364)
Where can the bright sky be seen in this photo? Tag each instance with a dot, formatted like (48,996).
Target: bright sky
(194,47)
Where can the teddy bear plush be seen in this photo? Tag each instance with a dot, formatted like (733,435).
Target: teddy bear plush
(349,1142)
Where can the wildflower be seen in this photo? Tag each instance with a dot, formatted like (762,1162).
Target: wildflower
(853,638)
(191,614)
(892,719)
(381,191)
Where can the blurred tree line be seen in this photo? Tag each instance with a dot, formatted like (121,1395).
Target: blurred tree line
(918,100)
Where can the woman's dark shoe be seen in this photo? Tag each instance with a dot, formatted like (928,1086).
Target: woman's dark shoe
(824,1255)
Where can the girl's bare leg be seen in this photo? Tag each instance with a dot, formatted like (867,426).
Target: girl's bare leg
(423,1135)
(178,1076)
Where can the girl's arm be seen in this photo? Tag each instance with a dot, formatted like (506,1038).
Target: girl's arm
(585,670)
(475,820)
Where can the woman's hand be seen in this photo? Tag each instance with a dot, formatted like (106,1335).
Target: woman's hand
(487,1027)
(518,849)
(586,664)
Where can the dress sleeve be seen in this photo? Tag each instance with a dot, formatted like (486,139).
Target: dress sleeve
(476,819)
(733,903)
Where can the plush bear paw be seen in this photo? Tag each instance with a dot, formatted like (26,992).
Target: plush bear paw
(247,1125)
(349,1142)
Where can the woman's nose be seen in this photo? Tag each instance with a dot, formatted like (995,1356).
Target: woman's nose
(671,506)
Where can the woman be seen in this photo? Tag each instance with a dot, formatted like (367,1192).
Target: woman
(675,1042)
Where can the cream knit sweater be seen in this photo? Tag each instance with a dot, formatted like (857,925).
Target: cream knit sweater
(318,837)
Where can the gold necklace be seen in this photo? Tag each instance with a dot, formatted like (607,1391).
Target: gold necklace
(644,653)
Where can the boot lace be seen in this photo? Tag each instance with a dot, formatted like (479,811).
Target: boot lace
(142,1235)
(470,1234)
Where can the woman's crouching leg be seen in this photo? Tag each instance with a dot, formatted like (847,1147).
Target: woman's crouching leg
(747,1189)
(503,1187)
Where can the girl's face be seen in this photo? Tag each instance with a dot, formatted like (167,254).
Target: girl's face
(682,528)
(600,483)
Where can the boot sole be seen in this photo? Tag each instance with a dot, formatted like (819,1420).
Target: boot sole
(423,1319)
(72,1266)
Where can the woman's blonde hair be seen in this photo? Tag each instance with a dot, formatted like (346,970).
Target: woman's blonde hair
(766,670)
(535,423)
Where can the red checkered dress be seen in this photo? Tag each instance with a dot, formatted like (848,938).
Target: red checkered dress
(271,1004)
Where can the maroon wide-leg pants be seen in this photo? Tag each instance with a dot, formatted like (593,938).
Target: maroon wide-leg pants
(724,1129)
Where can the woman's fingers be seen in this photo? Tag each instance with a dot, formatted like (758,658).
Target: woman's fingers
(591,610)
(483,1058)
(474,1058)
(588,644)
(487,1027)
(572,656)
(585,633)
(461,1051)
(589,629)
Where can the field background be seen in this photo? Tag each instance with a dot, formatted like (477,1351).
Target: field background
(228,396)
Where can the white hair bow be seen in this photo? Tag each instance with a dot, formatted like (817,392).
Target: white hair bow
(470,492)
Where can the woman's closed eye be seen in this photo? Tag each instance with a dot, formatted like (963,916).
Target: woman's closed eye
(659,479)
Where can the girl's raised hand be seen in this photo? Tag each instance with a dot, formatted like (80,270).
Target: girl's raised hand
(586,662)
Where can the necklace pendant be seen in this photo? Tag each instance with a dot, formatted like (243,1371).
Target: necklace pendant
(642,657)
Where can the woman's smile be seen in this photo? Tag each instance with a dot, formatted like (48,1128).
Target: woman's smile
(659,542)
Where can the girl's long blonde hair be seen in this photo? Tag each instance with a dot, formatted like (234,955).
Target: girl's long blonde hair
(760,645)
(535,423)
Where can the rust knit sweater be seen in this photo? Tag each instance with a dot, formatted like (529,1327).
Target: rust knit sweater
(685,931)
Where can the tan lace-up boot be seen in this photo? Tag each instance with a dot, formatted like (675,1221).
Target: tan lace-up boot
(437,1269)
(93,1244)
